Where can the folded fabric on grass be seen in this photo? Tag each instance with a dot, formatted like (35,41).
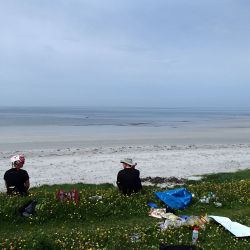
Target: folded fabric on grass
(178,198)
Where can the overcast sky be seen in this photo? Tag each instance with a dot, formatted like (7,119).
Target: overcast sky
(168,53)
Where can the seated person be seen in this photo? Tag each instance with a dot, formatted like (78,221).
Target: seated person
(17,179)
(128,179)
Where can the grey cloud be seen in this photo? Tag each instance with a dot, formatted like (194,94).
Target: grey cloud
(153,47)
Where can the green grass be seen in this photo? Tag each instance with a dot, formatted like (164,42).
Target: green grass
(226,177)
(111,222)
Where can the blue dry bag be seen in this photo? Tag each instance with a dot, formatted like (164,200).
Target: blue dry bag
(176,198)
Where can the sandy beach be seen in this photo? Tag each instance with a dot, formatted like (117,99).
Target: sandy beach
(175,143)
(101,164)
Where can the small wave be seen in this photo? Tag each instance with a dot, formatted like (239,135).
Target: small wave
(139,124)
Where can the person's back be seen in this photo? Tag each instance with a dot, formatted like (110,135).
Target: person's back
(17,179)
(128,179)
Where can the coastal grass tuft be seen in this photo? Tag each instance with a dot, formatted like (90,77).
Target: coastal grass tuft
(121,222)
(227,177)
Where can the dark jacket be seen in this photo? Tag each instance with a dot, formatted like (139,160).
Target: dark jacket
(15,179)
(128,181)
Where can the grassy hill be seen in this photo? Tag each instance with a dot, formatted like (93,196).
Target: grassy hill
(111,222)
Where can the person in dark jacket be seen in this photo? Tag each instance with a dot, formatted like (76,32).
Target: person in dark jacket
(128,179)
(17,179)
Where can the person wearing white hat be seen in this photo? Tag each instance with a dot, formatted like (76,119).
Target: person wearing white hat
(17,179)
(128,179)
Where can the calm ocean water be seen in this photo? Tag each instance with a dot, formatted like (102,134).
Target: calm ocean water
(149,117)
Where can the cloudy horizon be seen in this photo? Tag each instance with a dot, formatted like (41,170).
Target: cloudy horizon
(172,53)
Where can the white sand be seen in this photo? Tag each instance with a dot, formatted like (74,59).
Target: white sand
(101,164)
(56,154)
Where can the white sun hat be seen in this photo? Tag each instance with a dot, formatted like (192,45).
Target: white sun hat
(128,161)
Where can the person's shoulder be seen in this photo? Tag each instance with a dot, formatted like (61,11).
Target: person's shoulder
(9,170)
(23,171)
(7,173)
(121,171)
(136,172)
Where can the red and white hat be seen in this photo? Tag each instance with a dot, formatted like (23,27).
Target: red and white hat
(19,158)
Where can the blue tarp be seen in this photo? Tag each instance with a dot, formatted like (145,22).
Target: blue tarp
(176,198)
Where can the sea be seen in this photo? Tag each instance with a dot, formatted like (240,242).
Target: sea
(124,116)
(62,127)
